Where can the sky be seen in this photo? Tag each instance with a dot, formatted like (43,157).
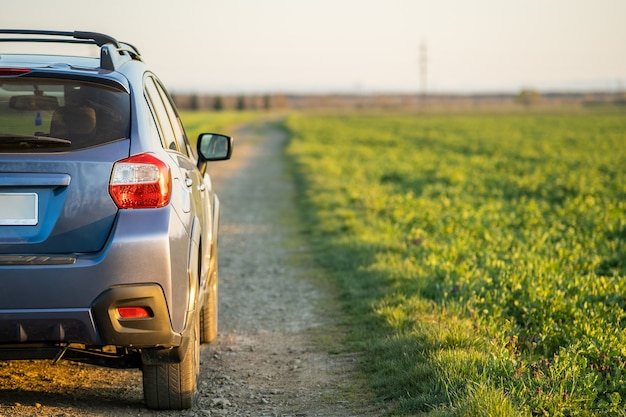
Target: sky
(357,46)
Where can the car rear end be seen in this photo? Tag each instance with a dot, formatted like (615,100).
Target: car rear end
(75,266)
(108,222)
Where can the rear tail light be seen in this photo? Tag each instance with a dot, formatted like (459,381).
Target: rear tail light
(134,312)
(141,181)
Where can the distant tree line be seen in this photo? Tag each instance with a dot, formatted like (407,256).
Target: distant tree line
(229,102)
(526,97)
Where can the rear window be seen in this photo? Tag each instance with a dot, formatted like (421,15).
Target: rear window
(60,115)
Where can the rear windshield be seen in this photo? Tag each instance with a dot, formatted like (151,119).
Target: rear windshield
(60,115)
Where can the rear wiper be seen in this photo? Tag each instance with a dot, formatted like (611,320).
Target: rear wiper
(12,141)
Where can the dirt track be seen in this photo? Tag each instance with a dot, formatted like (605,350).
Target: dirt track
(266,361)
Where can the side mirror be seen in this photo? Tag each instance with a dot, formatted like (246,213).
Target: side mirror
(214,147)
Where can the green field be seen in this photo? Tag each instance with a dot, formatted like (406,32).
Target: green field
(481,259)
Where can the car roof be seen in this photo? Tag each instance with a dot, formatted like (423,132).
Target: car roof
(113,55)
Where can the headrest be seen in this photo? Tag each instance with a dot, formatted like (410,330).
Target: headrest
(80,120)
(68,122)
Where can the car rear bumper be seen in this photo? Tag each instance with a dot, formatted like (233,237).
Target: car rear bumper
(75,302)
(95,326)
(23,326)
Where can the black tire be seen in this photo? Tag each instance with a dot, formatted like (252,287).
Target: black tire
(208,313)
(173,386)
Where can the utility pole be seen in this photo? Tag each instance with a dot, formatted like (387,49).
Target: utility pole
(423,61)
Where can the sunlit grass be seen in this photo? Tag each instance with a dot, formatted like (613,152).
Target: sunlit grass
(481,258)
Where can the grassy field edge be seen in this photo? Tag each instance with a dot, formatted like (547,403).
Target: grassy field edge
(480,258)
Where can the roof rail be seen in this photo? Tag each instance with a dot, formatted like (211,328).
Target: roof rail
(112,53)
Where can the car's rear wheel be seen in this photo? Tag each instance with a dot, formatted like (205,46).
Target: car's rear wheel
(173,386)
(208,314)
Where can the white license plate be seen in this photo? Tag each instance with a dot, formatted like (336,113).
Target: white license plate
(18,209)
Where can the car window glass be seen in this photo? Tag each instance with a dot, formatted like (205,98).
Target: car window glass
(162,116)
(85,114)
(155,131)
(179,131)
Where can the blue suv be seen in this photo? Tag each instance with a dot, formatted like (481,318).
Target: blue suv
(108,218)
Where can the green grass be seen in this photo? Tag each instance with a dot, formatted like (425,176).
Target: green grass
(481,258)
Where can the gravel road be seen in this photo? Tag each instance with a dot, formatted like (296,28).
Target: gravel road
(277,322)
